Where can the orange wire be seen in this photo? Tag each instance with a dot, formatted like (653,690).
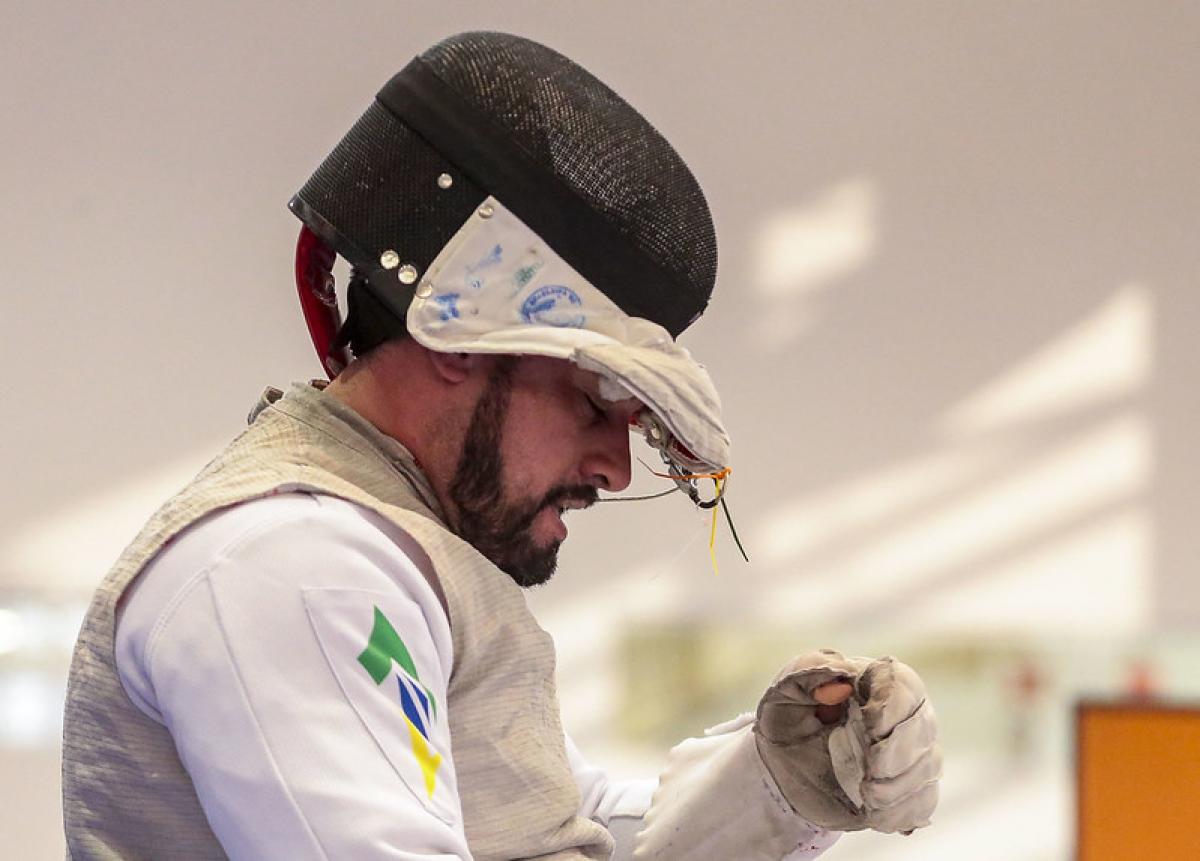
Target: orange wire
(716,476)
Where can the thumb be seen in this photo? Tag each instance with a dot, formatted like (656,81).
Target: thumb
(831,700)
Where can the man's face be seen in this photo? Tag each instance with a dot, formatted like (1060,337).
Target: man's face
(541,440)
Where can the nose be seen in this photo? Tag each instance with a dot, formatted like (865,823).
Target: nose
(607,465)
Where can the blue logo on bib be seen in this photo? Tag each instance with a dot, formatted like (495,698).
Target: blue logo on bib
(554,305)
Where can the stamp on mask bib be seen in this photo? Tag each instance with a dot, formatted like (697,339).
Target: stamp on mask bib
(554,305)
(472,272)
(447,306)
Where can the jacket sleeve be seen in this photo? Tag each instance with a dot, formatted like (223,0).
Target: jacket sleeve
(300,661)
(715,800)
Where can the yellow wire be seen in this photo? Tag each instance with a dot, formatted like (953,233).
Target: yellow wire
(712,537)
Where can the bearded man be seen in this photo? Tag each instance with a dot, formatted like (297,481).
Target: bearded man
(321,647)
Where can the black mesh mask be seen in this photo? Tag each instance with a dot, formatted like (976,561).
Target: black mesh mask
(484,114)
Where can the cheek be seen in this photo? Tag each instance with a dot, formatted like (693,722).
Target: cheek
(539,449)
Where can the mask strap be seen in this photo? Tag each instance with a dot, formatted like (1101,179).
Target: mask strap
(318,300)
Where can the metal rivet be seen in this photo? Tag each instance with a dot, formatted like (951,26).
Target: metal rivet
(389,259)
(445,180)
(407,274)
(425,290)
(486,211)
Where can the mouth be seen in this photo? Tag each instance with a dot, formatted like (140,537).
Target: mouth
(555,506)
(557,528)
(558,510)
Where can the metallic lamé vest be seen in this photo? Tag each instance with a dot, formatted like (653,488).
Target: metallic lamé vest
(125,793)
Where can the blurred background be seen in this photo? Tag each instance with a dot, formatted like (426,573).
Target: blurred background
(954,330)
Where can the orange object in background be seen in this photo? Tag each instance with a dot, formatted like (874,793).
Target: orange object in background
(1138,781)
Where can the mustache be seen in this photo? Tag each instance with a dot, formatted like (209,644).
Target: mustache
(582,493)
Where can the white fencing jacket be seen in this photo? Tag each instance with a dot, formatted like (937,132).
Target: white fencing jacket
(245,694)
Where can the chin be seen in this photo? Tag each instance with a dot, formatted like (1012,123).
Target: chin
(535,565)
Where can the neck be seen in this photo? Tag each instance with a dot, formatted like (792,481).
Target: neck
(395,390)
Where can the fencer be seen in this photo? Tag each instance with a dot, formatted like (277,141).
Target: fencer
(321,646)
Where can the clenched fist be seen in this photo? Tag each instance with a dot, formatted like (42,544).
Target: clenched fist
(851,742)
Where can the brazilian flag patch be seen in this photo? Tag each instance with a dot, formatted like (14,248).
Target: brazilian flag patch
(385,650)
(386,679)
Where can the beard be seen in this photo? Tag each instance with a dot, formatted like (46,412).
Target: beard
(498,527)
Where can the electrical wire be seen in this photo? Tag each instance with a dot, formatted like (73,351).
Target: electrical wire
(640,498)
(686,483)
(733,529)
(712,536)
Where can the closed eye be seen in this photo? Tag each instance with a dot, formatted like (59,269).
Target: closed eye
(599,414)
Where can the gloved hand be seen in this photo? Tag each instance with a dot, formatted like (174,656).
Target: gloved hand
(851,756)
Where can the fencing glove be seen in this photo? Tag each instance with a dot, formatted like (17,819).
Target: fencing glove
(876,765)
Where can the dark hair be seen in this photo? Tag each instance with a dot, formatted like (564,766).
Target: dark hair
(368,321)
